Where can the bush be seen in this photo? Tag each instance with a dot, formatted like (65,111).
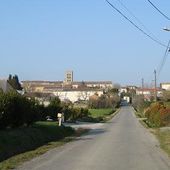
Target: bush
(104,101)
(139,104)
(158,115)
(16,110)
(76,113)
(54,108)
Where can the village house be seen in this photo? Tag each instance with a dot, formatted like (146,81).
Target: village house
(148,93)
(73,91)
(165,86)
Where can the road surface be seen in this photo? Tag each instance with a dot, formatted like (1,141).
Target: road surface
(121,144)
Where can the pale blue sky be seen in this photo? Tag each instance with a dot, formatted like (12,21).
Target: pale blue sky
(41,39)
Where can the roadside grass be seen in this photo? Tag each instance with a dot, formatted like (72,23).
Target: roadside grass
(18,145)
(102,115)
(162,135)
(19,159)
(142,119)
(164,139)
(95,113)
(139,115)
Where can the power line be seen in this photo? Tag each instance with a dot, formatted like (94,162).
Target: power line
(141,30)
(137,19)
(164,58)
(158,10)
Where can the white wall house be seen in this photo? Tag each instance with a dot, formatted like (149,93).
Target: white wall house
(73,91)
(76,95)
(99,84)
(148,92)
(165,86)
(123,90)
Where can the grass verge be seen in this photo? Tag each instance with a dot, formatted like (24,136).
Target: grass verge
(163,135)
(102,115)
(141,118)
(164,139)
(17,160)
(54,139)
(100,112)
(18,145)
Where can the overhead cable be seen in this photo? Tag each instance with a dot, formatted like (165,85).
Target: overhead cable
(141,30)
(158,10)
(137,19)
(164,58)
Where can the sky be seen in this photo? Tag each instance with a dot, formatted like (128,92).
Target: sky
(41,39)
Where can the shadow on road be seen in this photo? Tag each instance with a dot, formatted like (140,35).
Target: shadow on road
(91,134)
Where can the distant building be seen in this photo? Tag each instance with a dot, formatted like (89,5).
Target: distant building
(67,89)
(165,86)
(99,84)
(74,92)
(127,99)
(123,90)
(77,95)
(132,87)
(92,85)
(69,76)
(148,93)
(52,86)
(42,86)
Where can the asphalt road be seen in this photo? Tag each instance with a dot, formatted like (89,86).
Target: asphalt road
(121,144)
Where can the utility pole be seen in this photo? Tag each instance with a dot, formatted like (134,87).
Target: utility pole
(142,85)
(155,94)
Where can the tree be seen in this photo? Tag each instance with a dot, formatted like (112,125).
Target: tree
(54,107)
(104,101)
(14,82)
(113,91)
(17,110)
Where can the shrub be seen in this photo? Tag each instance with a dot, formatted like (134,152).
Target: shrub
(77,113)
(158,115)
(104,101)
(53,108)
(16,110)
(140,104)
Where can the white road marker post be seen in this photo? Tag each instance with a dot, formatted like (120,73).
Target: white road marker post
(59,115)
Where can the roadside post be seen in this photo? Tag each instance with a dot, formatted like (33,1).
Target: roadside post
(59,115)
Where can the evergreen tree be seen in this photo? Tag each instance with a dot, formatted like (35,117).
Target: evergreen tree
(14,82)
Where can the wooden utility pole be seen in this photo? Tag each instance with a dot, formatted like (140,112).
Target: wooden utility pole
(142,85)
(155,88)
